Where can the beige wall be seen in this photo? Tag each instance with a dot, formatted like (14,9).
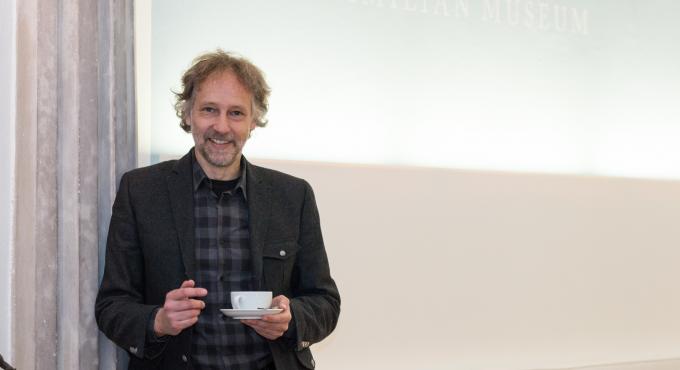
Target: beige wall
(442,269)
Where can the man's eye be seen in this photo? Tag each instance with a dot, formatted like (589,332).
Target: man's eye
(236,113)
(209,109)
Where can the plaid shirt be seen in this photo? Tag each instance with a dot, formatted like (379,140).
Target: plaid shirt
(222,246)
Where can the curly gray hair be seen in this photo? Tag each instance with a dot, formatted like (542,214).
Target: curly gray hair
(204,65)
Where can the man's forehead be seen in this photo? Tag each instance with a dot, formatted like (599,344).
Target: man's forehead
(223,89)
(222,76)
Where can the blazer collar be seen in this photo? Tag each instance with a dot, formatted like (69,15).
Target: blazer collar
(180,187)
(259,209)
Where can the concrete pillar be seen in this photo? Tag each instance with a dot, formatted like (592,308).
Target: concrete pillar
(75,132)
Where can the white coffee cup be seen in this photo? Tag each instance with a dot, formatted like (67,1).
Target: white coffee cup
(251,300)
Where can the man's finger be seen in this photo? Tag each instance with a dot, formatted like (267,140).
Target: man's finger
(188,284)
(269,333)
(279,317)
(193,304)
(186,304)
(281,301)
(194,292)
(185,293)
(183,315)
(270,326)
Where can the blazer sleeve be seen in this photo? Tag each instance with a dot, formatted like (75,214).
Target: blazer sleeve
(316,301)
(120,310)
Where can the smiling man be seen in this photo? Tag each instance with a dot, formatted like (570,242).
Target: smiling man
(185,234)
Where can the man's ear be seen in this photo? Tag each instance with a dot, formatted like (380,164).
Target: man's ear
(253,125)
(187,121)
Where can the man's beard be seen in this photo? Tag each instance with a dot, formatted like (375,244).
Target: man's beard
(220,158)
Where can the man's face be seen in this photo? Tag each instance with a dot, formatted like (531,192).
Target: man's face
(221,119)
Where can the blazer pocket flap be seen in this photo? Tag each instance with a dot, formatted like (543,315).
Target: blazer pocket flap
(280,250)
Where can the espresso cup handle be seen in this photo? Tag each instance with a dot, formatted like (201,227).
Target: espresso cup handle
(237,302)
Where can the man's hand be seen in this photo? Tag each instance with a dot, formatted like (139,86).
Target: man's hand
(179,311)
(273,326)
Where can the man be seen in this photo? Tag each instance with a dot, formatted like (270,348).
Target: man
(186,233)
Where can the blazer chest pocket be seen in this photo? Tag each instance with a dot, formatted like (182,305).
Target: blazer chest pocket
(277,266)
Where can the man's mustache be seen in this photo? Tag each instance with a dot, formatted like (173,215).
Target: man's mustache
(216,136)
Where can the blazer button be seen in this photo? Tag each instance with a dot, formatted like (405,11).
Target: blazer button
(184,358)
(133,350)
(282,253)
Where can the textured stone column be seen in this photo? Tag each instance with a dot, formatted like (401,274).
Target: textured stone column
(75,137)
(35,303)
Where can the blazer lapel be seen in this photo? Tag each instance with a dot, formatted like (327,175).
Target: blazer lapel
(180,186)
(259,209)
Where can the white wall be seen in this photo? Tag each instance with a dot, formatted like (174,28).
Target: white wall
(441,269)
(7,122)
(442,83)
(142,24)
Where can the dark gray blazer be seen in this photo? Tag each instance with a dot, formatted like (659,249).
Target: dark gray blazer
(150,251)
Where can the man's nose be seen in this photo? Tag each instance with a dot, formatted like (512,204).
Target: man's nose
(222,124)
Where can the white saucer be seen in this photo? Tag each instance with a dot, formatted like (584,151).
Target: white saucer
(255,314)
